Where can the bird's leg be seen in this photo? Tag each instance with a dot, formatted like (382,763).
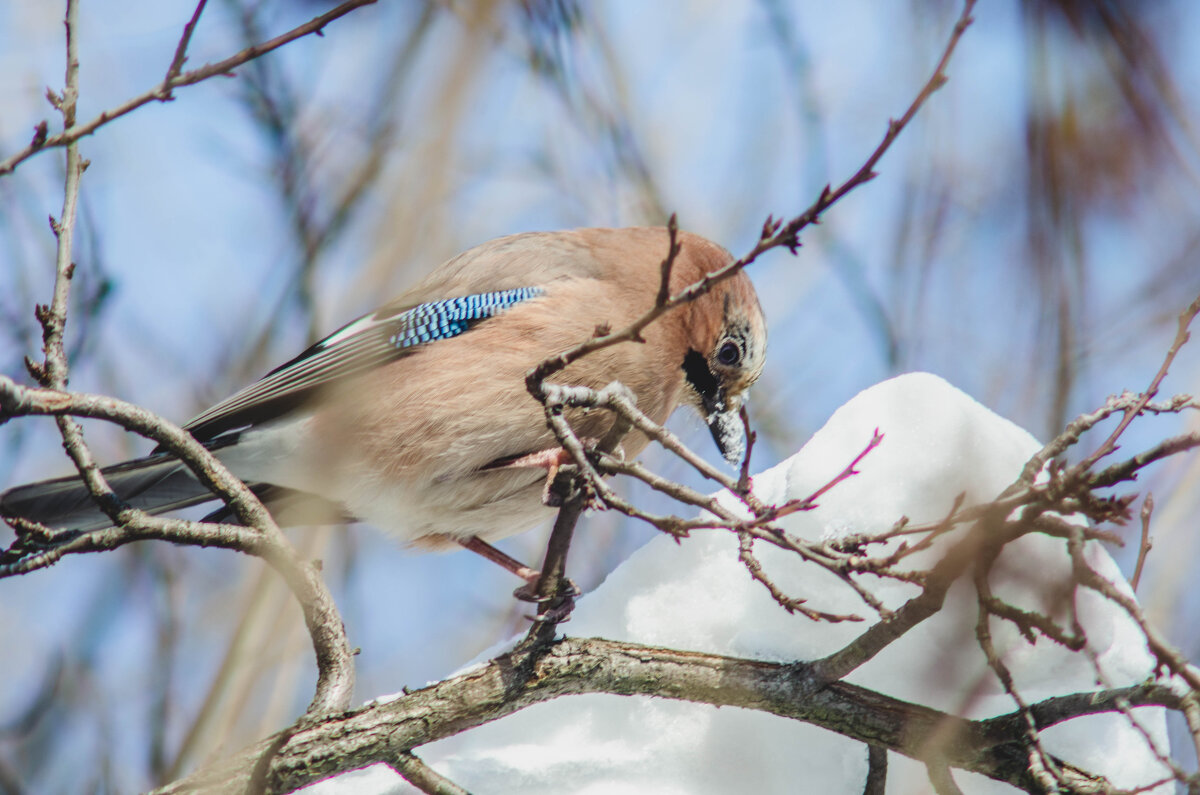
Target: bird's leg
(481,547)
(528,591)
(551,459)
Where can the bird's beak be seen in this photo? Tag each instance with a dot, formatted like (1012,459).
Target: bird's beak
(724,422)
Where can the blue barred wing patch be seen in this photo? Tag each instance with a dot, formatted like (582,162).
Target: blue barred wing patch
(370,341)
(439,320)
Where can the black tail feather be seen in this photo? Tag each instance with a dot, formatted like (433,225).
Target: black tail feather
(155,484)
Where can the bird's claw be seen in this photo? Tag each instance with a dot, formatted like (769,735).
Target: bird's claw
(567,589)
(558,614)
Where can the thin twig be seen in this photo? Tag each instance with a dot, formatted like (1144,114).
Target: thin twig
(182,47)
(1128,469)
(1182,335)
(792,605)
(1147,542)
(416,772)
(744,481)
(673,248)
(162,92)
(941,780)
(877,765)
(1191,714)
(810,502)
(1129,404)
(54,317)
(1166,654)
(553,590)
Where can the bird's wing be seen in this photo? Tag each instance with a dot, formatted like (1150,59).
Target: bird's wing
(370,341)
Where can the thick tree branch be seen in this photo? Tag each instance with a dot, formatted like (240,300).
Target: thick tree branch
(387,732)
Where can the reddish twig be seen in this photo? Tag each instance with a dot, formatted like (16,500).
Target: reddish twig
(1182,335)
(744,481)
(775,234)
(182,47)
(810,502)
(1147,542)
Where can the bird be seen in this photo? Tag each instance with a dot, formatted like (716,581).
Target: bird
(415,418)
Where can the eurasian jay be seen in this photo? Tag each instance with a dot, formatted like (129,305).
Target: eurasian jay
(407,417)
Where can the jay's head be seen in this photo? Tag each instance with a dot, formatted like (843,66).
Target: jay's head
(728,345)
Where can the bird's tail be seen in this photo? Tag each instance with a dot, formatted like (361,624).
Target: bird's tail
(156,484)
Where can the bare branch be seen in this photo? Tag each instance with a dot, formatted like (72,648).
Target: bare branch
(1147,542)
(876,783)
(423,777)
(1130,405)
(747,558)
(572,666)
(1182,335)
(810,502)
(182,47)
(941,780)
(162,92)
(774,234)
(54,317)
(335,683)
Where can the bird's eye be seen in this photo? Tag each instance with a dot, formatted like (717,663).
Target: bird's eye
(729,353)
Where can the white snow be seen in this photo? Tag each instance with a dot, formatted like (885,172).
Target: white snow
(937,443)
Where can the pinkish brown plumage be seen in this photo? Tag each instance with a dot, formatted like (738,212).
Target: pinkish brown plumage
(378,424)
